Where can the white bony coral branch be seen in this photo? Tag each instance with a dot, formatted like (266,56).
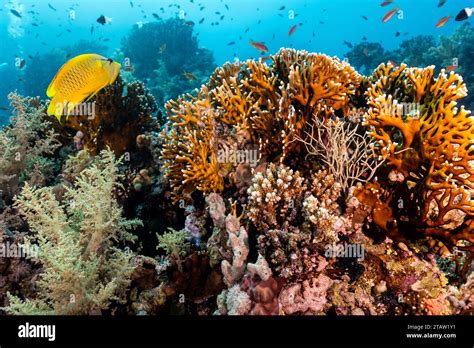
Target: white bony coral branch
(348,155)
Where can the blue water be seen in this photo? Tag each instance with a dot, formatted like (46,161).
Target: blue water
(323,26)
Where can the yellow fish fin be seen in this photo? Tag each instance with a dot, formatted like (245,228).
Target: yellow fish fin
(114,70)
(56,108)
(96,90)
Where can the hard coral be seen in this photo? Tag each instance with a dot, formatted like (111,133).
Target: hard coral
(430,146)
(274,197)
(161,51)
(271,105)
(122,112)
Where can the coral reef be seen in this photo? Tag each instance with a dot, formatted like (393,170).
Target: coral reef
(421,51)
(83,270)
(28,147)
(366,56)
(250,106)
(430,148)
(118,109)
(298,187)
(163,53)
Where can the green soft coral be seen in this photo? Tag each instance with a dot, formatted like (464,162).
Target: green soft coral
(83,269)
(27,147)
(174,242)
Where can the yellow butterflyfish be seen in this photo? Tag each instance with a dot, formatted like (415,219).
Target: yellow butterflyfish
(80,79)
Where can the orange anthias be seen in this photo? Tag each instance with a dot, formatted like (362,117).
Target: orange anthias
(389,15)
(442,21)
(259,46)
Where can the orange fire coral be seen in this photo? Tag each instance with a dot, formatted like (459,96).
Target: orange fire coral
(429,143)
(268,105)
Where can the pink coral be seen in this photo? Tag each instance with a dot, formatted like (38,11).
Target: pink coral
(306,297)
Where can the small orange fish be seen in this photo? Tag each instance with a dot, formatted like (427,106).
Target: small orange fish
(189,76)
(292,30)
(259,46)
(386,3)
(442,21)
(389,15)
(450,68)
(264,58)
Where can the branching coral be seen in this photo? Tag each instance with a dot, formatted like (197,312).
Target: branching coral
(270,105)
(321,207)
(83,269)
(431,147)
(348,155)
(274,197)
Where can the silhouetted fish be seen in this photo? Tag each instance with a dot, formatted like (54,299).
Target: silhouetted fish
(464,14)
(51,7)
(348,44)
(101,20)
(16,13)
(292,30)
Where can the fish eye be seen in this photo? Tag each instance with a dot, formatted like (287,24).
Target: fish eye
(110,60)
